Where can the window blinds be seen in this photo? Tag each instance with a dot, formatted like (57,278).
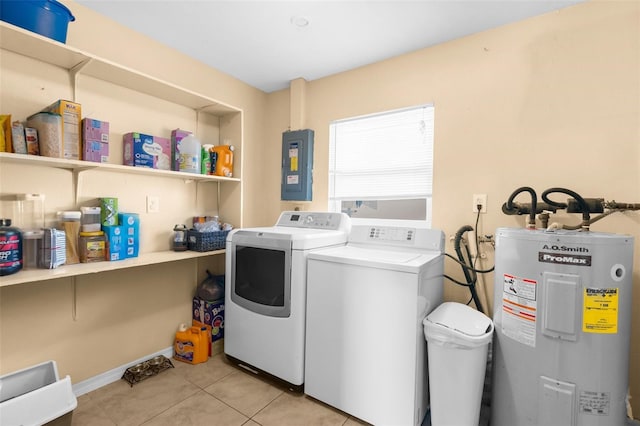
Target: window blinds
(386,156)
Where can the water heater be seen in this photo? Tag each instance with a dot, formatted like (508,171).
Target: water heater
(562,314)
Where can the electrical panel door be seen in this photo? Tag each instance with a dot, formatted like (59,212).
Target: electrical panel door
(297,165)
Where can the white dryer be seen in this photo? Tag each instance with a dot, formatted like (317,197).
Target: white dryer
(266,294)
(365,350)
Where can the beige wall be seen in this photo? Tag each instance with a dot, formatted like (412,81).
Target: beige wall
(550,101)
(123,315)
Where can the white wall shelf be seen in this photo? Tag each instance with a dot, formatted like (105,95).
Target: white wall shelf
(77,62)
(34,275)
(80,165)
(32,45)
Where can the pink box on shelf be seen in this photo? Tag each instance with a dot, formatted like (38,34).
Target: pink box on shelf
(142,150)
(95,140)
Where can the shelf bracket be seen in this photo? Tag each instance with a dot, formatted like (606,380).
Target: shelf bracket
(198,182)
(74,299)
(73,75)
(218,198)
(77,182)
(76,185)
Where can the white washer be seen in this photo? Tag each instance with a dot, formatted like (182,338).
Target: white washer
(265,297)
(365,351)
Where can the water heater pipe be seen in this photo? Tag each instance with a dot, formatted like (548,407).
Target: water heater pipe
(531,224)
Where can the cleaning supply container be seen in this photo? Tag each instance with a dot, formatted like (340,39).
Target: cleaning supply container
(458,339)
(190,155)
(222,160)
(191,345)
(45,17)
(206,159)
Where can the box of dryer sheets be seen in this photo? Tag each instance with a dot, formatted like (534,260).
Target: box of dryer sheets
(130,223)
(142,150)
(210,315)
(71,113)
(95,140)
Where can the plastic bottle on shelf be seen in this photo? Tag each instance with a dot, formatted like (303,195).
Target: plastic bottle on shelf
(10,248)
(190,155)
(222,160)
(206,159)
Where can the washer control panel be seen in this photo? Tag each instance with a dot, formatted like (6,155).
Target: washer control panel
(383,233)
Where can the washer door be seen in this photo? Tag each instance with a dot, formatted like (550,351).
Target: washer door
(261,272)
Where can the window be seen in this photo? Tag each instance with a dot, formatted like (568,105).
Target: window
(381,165)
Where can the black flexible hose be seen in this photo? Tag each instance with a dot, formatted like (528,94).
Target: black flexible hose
(460,283)
(456,246)
(534,201)
(464,265)
(584,207)
(469,272)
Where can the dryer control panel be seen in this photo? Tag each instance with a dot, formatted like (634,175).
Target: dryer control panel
(315,220)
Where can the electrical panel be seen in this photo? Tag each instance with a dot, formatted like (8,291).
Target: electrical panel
(297,165)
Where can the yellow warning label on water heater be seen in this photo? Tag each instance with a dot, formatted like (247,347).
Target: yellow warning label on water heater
(600,312)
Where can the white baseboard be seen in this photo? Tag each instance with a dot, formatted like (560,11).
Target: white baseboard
(113,375)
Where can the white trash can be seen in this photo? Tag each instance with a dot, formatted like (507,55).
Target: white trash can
(457,343)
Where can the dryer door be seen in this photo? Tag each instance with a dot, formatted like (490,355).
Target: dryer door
(261,272)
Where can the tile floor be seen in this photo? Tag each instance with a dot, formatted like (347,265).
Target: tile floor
(212,393)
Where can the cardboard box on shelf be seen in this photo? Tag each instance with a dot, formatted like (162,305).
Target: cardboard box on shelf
(71,113)
(115,242)
(176,136)
(130,223)
(95,140)
(142,150)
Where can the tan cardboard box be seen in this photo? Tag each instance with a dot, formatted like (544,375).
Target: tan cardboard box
(71,113)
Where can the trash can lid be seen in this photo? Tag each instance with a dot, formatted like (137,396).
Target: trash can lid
(459,319)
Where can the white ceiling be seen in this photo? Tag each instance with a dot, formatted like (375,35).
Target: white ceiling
(259,42)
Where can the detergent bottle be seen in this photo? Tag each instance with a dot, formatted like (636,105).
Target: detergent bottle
(190,345)
(222,160)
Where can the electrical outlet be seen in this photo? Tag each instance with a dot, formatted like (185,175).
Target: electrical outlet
(479,200)
(153,204)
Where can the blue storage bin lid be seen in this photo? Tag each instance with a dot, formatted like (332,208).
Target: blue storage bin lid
(49,18)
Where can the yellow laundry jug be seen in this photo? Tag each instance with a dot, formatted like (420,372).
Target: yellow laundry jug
(190,345)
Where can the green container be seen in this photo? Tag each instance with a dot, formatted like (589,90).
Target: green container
(108,211)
